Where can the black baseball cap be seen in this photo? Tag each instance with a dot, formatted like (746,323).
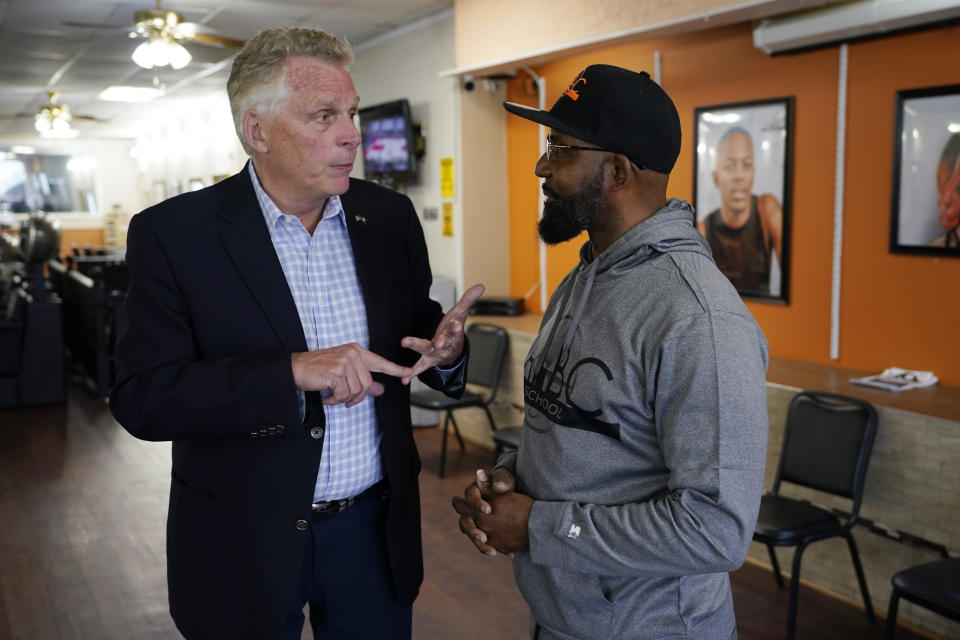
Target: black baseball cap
(620,110)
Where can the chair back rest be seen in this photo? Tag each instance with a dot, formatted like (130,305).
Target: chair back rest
(488,348)
(827,443)
(84,305)
(16,306)
(58,274)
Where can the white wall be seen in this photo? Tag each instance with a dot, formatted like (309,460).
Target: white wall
(116,177)
(195,140)
(407,65)
(483,194)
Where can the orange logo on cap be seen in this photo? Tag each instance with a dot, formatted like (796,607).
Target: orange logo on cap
(571,91)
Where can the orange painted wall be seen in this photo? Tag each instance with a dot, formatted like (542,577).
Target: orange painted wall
(80,237)
(895,310)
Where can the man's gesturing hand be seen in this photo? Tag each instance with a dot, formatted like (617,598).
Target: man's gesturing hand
(447,343)
(344,371)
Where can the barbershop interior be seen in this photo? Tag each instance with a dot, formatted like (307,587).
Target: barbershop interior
(851,110)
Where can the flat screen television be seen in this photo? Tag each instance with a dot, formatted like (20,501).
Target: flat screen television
(389,143)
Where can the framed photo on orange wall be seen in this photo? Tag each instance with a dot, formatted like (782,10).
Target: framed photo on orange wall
(741,191)
(925,203)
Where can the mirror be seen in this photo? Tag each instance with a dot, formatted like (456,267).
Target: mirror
(49,182)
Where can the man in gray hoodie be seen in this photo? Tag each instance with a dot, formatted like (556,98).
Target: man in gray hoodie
(638,479)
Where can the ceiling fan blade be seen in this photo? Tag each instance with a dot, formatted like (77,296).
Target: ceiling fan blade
(90,118)
(93,25)
(219,41)
(185,30)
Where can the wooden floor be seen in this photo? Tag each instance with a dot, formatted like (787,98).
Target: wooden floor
(82,511)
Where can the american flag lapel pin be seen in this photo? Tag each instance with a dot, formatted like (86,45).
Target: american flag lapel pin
(360,219)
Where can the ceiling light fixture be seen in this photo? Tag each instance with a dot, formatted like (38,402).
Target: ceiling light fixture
(162,30)
(53,119)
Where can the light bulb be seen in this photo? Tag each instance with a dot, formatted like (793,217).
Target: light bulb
(42,124)
(179,56)
(159,52)
(142,55)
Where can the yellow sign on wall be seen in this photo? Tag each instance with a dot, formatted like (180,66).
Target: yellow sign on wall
(448,219)
(446,177)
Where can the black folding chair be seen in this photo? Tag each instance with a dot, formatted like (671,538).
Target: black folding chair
(932,585)
(505,438)
(827,442)
(488,347)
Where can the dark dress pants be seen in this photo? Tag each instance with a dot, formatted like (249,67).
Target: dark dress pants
(346,579)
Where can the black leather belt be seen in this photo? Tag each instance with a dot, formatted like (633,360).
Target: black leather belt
(380,490)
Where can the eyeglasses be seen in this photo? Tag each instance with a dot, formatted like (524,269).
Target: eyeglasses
(553,149)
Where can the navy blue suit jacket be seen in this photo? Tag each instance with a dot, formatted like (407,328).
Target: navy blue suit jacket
(203,359)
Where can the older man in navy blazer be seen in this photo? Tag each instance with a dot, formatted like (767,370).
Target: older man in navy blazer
(272,324)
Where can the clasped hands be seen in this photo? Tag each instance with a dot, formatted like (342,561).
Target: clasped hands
(346,372)
(493,515)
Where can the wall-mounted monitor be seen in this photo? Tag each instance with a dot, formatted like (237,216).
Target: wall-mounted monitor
(389,143)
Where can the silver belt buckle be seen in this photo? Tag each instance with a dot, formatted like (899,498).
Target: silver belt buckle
(379,489)
(332,507)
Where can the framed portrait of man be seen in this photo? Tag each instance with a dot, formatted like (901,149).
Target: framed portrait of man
(741,191)
(925,204)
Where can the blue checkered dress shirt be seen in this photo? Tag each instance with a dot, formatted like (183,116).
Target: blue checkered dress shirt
(323,280)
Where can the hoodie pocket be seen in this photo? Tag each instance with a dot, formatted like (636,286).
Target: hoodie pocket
(569,604)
